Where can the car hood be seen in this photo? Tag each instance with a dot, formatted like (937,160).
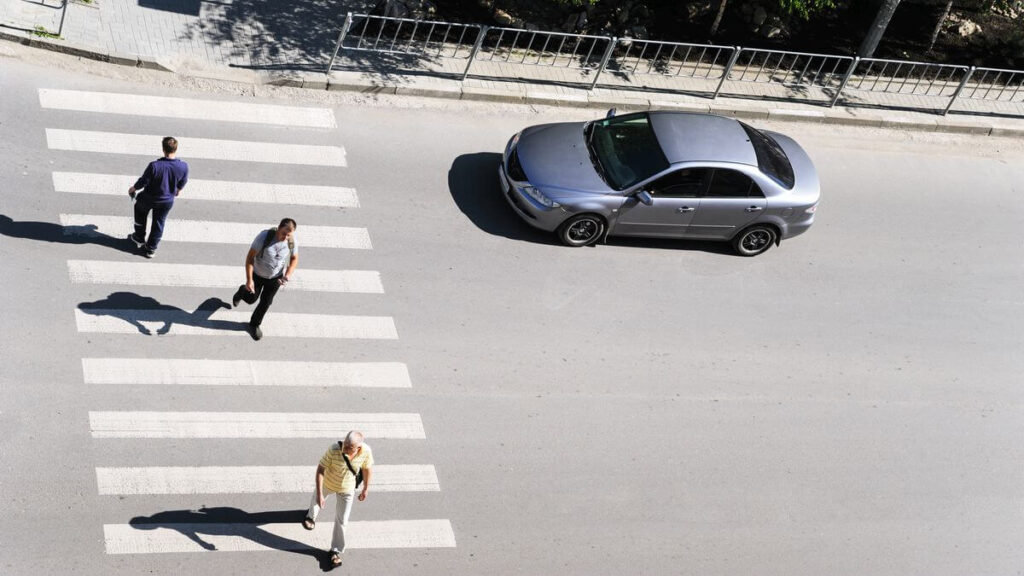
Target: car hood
(555,159)
(805,175)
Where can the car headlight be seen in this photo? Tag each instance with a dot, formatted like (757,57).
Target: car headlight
(512,143)
(539,196)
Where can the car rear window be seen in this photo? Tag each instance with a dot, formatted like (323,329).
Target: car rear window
(771,158)
(626,149)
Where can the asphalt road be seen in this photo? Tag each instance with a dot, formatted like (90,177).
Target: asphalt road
(847,403)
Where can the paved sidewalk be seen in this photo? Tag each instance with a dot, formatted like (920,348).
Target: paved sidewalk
(290,43)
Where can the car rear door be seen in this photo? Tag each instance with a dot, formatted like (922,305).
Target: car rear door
(676,198)
(732,201)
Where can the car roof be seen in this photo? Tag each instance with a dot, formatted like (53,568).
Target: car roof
(689,137)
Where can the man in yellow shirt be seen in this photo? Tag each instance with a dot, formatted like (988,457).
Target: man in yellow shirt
(336,474)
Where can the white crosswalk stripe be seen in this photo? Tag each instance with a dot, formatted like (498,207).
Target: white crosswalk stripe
(207,276)
(221,190)
(207,231)
(252,425)
(158,538)
(231,323)
(195,372)
(186,108)
(188,148)
(250,479)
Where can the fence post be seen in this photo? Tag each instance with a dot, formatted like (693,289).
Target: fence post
(341,38)
(63,13)
(728,68)
(476,48)
(960,88)
(612,43)
(846,78)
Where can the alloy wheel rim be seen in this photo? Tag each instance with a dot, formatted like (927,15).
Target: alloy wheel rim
(757,240)
(583,230)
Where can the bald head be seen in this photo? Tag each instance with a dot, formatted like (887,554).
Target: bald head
(354,439)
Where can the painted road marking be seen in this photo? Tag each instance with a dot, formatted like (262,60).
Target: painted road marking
(209,231)
(251,479)
(140,538)
(230,323)
(190,372)
(189,148)
(252,425)
(222,190)
(189,108)
(207,276)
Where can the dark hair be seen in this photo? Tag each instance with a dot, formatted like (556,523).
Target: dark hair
(288,222)
(170,145)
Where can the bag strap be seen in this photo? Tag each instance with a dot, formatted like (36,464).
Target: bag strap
(271,237)
(347,463)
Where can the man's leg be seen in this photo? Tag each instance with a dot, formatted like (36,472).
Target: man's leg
(248,297)
(142,208)
(270,287)
(156,230)
(314,506)
(341,522)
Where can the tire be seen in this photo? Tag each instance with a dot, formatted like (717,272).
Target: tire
(581,230)
(755,240)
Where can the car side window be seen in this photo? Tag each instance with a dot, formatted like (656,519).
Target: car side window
(685,183)
(732,184)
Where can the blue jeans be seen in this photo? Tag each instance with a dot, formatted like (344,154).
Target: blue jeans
(156,231)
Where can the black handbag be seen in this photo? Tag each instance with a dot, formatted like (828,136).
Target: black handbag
(358,475)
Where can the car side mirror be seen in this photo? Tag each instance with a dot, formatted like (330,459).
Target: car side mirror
(610,114)
(644,197)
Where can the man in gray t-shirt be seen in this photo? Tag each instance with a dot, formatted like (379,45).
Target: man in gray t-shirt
(271,260)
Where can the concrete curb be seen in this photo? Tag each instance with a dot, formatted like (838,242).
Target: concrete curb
(518,94)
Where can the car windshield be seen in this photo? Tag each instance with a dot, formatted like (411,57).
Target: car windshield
(771,158)
(625,150)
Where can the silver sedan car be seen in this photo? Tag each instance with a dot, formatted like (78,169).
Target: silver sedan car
(661,174)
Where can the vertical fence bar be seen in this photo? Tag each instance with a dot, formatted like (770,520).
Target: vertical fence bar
(476,48)
(967,77)
(728,68)
(612,42)
(846,78)
(341,38)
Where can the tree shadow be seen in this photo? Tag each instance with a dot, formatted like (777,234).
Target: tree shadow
(53,232)
(135,309)
(186,7)
(228,521)
(473,184)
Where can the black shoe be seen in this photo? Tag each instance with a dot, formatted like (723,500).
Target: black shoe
(149,253)
(236,298)
(255,332)
(138,243)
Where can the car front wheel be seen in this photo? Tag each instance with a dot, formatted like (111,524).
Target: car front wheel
(754,240)
(581,230)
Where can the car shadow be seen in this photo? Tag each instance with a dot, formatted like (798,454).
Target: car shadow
(473,184)
(227,521)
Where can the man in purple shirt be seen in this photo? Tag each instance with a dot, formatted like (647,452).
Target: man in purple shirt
(155,191)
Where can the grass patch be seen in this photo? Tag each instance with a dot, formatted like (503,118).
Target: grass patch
(44,33)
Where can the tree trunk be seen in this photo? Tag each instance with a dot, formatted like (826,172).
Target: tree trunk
(885,12)
(938,25)
(718,17)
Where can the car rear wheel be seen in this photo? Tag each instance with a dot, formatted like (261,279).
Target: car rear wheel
(581,230)
(754,240)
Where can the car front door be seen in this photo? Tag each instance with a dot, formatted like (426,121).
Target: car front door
(732,201)
(676,198)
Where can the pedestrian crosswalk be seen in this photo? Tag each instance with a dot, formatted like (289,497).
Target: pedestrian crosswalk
(131,311)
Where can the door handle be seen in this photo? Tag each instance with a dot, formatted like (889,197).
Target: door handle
(754,209)
(684,209)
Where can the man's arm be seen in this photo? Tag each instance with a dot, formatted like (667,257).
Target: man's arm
(181,184)
(320,500)
(250,260)
(291,268)
(367,474)
(147,175)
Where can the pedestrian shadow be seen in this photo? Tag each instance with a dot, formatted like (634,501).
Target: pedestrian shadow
(233,522)
(135,309)
(53,232)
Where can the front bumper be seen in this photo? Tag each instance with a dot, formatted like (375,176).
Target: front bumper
(527,208)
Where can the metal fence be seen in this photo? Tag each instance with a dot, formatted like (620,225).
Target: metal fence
(709,69)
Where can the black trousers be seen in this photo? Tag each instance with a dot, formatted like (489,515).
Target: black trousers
(265,290)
